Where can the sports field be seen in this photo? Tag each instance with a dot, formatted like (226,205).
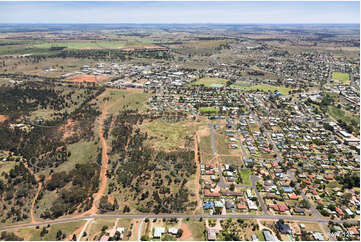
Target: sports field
(208,110)
(210,82)
(341,77)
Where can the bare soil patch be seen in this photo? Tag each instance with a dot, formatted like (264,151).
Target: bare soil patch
(3,118)
(87,78)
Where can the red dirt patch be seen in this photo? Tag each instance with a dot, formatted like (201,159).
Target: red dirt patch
(3,118)
(187,234)
(87,78)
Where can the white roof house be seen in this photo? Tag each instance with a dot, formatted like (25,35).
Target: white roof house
(173,230)
(158,231)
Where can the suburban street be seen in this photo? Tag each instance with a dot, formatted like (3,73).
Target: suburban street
(180,216)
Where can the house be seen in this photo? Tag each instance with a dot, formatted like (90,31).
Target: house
(242,206)
(293,196)
(121,231)
(254,237)
(296,230)
(251,205)
(283,228)
(287,189)
(158,231)
(104,238)
(249,193)
(339,211)
(212,235)
(353,230)
(282,207)
(218,204)
(268,236)
(349,212)
(298,210)
(318,236)
(173,231)
(207,205)
(229,204)
(208,193)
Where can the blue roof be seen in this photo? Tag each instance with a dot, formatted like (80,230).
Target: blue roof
(208,205)
(279,174)
(287,189)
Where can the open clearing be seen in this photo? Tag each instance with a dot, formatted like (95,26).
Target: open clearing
(33,234)
(87,78)
(167,136)
(265,88)
(341,77)
(245,176)
(210,82)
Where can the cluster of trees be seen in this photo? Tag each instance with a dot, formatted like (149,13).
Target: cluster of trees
(105,205)
(348,180)
(16,188)
(5,236)
(84,181)
(28,97)
(140,166)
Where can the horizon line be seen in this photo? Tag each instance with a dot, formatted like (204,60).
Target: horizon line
(189,23)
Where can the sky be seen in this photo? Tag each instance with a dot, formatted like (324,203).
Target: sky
(180,12)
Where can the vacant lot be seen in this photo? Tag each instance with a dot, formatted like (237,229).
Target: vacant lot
(245,176)
(35,234)
(166,135)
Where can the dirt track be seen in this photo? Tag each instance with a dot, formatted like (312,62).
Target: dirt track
(102,176)
(33,220)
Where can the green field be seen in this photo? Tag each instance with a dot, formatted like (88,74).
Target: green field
(210,82)
(205,148)
(167,136)
(265,88)
(246,176)
(341,77)
(83,45)
(208,110)
(345,116)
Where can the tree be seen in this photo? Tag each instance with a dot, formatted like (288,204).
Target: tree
(232,187)
(179,233)
(105,227)
(145,238)
(43,232)
(74,237)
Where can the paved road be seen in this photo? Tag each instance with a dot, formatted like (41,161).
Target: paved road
(140,229)
(254,180)
(241,143)
(183,216)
